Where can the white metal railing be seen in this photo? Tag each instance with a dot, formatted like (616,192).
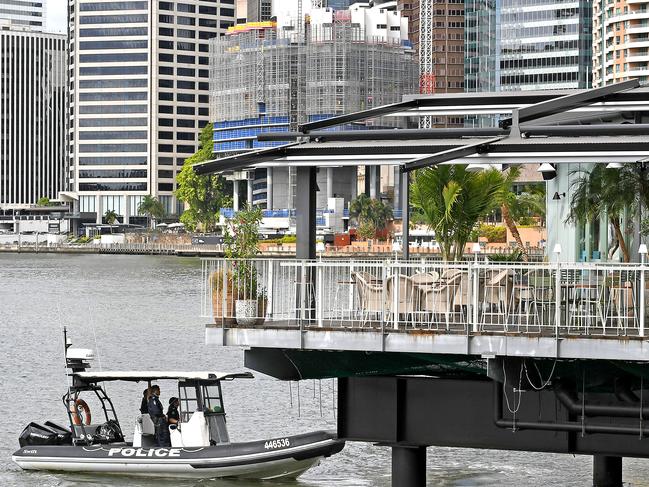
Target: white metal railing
(469,297)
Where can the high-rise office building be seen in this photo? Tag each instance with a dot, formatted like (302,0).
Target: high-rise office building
(22,13)
(139,97)
(620,40)
(32,116)
(516,45)
(437,34)
(254,10)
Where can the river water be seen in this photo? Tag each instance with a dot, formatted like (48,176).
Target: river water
(141,312)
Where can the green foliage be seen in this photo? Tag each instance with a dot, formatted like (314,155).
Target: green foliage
(452,200)
(286,239)
(110,217)
(82,240)
(151,207)
(370,214)
(43,201)
(366,230)
(530,203)
(609,192)
(493,233)
(204,194)
(241,239)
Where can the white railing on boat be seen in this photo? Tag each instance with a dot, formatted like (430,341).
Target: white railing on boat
(561,299)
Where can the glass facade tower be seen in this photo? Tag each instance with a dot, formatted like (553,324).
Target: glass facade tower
(32,116)
(514,45)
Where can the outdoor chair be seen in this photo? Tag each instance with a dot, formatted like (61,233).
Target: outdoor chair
(438,299)
(423,279)
(370,296)
(496,295)
(403,302)
(532,298)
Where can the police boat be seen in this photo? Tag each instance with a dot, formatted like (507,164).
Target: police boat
(200,445)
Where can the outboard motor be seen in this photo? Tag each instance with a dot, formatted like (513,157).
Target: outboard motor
(63,434)
(35,434)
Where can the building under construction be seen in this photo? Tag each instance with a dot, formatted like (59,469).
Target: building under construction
(270,77)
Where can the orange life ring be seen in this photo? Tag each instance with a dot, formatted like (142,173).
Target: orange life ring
(78,409)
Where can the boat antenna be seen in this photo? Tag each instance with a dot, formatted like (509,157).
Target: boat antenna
(94,334)
(66,345)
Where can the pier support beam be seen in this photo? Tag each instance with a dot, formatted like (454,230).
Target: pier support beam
(408,466)
(305,212)
(607,471)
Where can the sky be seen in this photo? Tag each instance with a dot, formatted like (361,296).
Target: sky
(56,15)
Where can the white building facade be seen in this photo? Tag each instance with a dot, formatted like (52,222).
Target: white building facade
(32,116)
(139,96)
(23,13)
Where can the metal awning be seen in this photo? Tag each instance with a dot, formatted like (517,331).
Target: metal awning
(150,375)
(541,130)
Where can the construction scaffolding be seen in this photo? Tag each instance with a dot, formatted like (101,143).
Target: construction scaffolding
(263,72)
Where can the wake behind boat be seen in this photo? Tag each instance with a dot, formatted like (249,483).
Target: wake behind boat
(200,445)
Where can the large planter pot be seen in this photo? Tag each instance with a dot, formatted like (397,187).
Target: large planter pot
(262,304)
(247,311)
(223,307)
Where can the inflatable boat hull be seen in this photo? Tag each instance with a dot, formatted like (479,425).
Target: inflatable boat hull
(286,457)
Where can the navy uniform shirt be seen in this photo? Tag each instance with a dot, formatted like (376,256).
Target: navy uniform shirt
(172,413)
(155,407)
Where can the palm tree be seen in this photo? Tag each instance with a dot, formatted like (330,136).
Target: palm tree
(452,200)
(509,205)
(110,217)
(152,208)
(609,192)
(370,214)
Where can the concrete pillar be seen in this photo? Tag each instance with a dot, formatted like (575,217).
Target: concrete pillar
(354,189)
(374,182)
(269,188)
(330,183)
(397,188)
(305,207)
(368,170)
(250,183)
(235,195)
(408,466)
(127,210)
(607,471)
(99,208)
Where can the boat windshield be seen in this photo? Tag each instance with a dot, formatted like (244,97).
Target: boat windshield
(199,396)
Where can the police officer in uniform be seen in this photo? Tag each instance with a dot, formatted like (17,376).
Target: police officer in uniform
(173,416)
(157,416)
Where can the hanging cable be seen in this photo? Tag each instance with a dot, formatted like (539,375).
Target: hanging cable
(520,380)
(544,383)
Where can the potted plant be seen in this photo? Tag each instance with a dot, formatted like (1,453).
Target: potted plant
(241,239)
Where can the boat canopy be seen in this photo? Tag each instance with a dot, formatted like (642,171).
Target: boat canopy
(148,375)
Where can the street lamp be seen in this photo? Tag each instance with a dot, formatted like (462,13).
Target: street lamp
(557,250)
(475,248)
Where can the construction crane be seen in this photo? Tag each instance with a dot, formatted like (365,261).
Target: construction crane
(426,69)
